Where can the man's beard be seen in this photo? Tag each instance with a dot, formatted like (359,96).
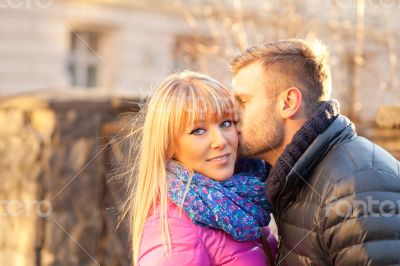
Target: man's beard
(265,135)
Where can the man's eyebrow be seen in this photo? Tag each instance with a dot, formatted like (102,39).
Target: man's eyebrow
(241,96)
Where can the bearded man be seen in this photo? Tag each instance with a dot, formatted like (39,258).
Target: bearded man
(335,195)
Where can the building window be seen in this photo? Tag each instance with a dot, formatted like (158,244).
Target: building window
(83,64)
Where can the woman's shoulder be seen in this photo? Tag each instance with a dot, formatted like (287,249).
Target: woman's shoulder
(174,214)
(194,243)
(186,245)
(179,225)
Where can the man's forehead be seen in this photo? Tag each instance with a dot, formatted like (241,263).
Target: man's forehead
(248,80)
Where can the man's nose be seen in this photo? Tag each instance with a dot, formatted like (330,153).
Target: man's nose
(238,128)
(236,109)
(236,116)
(236,120)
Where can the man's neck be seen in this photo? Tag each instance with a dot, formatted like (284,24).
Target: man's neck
(272,156)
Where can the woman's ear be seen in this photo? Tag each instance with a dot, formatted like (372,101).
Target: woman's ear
(290,102)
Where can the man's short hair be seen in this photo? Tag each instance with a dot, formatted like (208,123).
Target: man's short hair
(303,64)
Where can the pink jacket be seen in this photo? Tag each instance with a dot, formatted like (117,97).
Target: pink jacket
(196,245)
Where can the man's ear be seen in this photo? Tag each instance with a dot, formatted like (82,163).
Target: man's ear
(290,102)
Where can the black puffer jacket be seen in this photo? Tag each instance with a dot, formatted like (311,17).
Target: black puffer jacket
(349,212)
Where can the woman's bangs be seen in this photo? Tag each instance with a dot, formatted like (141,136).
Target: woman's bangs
(207,105)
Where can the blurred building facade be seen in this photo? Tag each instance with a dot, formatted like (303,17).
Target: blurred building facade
(48,45)
(132,44)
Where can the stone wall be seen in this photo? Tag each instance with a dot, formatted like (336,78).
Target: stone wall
(57,207)
(23,151)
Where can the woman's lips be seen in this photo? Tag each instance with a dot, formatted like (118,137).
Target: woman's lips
(220,159)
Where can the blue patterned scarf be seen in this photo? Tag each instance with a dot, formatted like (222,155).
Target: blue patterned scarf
(238,205)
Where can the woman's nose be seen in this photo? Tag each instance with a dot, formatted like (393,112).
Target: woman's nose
(218,140)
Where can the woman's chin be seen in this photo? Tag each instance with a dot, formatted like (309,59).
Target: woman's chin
(221,174)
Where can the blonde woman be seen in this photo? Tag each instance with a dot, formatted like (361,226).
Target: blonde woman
(187,203)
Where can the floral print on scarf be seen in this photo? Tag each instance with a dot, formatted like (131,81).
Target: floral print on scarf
(238,205)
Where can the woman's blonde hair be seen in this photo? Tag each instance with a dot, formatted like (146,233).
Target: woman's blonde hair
(178,102)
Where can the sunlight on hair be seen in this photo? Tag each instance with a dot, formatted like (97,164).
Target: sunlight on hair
(319,48)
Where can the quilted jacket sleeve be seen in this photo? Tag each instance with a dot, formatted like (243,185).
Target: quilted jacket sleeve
(360,219)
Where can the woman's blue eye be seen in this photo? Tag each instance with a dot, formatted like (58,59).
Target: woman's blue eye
(197,131)
(226,123)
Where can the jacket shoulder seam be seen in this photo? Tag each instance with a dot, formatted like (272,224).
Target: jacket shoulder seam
(373,169)
(350,156)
